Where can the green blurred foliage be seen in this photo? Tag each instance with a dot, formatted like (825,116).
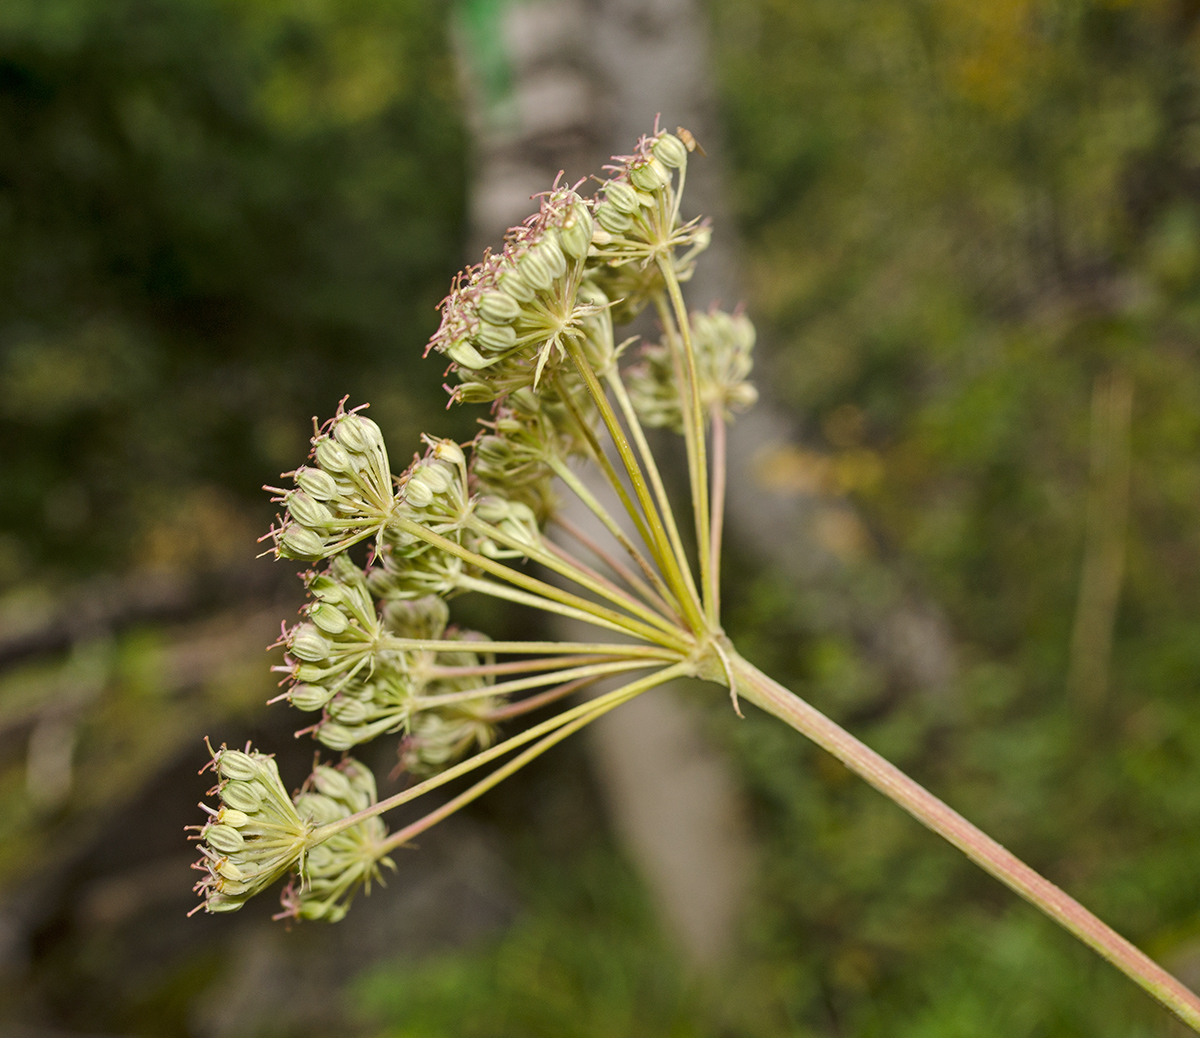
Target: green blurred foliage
(215,219)
(958,218)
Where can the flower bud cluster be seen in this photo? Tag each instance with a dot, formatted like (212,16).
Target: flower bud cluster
(505,321)
(337,867)
(342,660)
(638,224)
(344,496)
(434,493)
(255,837)
(722,343)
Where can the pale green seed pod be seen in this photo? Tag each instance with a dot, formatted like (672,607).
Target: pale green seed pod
(224,903)
(449,452)
(417,492)
(576,233)
(495,336)
(550,253)
(436,476)
(308,512)
(326,589)
(492,509)
(534,270)
(316,484)
(307,644)
(332,458)
(299,542)
(228,870)
(370,432)
(474,393)
(621,197)
(224,838)
(650,175)
(329,618)
(348,711)
(612,219)
(231,816)
(331,782)
(360,778)
(516,286)
(498,308)
(239,766)
(350,434)
(336,736)
(318,808)
(308,697)
(466,356)
(493,450)
(670,151)
(242,796)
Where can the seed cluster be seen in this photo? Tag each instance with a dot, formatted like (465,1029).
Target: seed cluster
(721,344)
(529,330)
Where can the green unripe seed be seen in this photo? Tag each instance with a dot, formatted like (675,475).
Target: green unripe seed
(307,644)
(535,271)
(550,253)
(332,458)
(496,336)
(449,452)
(466,356)
(299,542)
(621,197)
(336,736)
(576,233)
(670,151)
(233,817)
(329,618)
(308,697)
(650,175)
(316,484)
(612,219)
(348,711)
(498,308)
(242,796)
(238,766)
(308,512)
(514,285)
(224,838)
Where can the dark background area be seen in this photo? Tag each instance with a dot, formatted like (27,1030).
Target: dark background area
(970,238)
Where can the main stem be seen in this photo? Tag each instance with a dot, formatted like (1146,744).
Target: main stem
(755,686)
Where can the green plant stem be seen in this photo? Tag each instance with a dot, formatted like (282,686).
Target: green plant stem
(397,644)
(755,687)
(613,698)
(547,605)
(579,488)
(601,459)
(567,567)
(692,403)
(524,706)
(535,681)
(512,667)
(678,577)
(619,568)
(540,588)
(719,465)
(596,708)
(655,477)
(664,612)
